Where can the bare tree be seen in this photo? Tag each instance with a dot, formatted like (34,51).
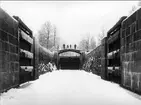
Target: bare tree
(82,44)
(133,9)
(48,36)
(101,36)
(87,43)
(54,32)
(139,3)
(92,43)
(44,34)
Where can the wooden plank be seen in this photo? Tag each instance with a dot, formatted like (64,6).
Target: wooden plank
(27,68)
(27,54)
(26,37)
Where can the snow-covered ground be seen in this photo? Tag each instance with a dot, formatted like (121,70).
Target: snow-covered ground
(66,87)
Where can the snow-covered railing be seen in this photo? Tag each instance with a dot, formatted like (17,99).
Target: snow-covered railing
(114,37)
(116,68)
(113,68)
(27,68)
(26,37)
(26,54)
(110,68)
(112,54)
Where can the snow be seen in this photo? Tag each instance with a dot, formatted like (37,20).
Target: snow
(27,53)
(47,67)
(69,87)
(26,37)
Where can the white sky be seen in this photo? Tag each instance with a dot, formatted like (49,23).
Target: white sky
(72,19)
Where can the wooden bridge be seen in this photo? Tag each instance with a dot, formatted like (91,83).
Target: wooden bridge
(69,62)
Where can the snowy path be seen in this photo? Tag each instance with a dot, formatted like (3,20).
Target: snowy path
(69,88)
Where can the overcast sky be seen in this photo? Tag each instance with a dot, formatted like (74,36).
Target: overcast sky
(72,19)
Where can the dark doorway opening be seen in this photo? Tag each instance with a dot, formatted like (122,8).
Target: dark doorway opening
(69,62)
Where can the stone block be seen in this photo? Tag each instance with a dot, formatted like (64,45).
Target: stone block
(4,36)
(139,24)
(135,86)
(138,14)
(11,49)
(12,57)
(3,46)
(137,66)
(16,50)
(140,83)
(14,76)
(127,56)
(7,57)
(123,33)
(133,28)
(122,50)
(0,45)
(140,87)
(132,66)
(139,45)
(16,57)
(125,66)
(135,36)
(130,47)
(127,80)
(131,56)
(0,65)
(5,80)
(12,67)
(138,34)
(16,67)
(6,46)
(13,40)
(137,55)
(140,76)
(123,57)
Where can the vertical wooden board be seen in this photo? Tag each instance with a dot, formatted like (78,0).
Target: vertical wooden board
(137,66)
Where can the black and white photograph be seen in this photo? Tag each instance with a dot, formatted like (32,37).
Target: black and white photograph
(59,52)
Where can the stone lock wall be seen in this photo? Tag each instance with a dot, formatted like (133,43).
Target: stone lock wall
(131,52)
(9,52)
(93,61)
(104,58)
